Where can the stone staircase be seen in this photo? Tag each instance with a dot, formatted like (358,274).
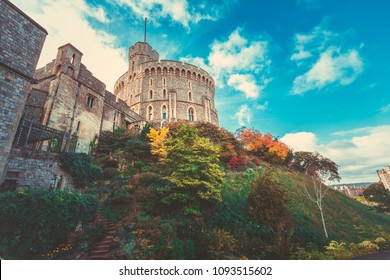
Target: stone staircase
(101,249)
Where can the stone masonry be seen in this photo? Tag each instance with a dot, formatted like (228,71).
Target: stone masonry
(21,42)
(37,169)
(165,90)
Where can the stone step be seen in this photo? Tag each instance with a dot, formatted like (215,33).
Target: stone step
(99,252)
(101,248)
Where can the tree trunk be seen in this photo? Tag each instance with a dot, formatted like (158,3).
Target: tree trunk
(323,223)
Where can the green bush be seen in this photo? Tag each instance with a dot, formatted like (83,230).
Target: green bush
(110,173)
(34,222)
(146,179)
(80,166)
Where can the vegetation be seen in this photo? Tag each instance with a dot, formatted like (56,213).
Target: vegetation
(80,166)
(378,194)
(34,222)
(196,191)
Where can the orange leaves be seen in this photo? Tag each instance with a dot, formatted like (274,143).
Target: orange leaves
(263,145)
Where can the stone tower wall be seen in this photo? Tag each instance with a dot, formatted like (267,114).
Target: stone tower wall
(20,47)
(168,85)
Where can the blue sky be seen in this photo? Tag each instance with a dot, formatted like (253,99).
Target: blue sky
(313,72)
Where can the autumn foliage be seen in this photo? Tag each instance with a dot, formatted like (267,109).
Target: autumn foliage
(263,145)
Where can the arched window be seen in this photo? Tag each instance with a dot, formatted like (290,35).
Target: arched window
(164,112)
(164,93)
(150,113)
(191,114)
(151,94)
(190,96)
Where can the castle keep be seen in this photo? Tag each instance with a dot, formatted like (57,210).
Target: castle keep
(163,91)
(64,107)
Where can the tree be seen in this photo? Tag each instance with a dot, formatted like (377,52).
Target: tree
(265,146)
(191,165)
(379,194)
(157,142)
(315,165)
(319,190)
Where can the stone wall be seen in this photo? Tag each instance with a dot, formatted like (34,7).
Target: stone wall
(21,44)
(152,86)
(37,169)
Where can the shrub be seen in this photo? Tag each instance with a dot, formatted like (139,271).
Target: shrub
(79,165)
(110,173)
(146,179)
(34,222)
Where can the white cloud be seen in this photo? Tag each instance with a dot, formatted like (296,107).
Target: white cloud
(179,11)
(238,62)
(333,66)
(262,107)
(245,83)
(359,153)
(66,22)
(243,115)
(385,109)
(301,141)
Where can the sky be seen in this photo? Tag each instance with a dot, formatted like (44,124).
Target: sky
(314,73)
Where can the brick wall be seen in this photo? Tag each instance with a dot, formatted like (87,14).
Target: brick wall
(21,41)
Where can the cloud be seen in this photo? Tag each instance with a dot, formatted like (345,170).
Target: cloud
(245,83)
(328,63)
(262,107)
(360,152)
(238,62)
(333,66)
(243,115)
(301,141)
(385,109)
(67,22)
(179,11)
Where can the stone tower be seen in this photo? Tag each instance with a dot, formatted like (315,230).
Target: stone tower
(164,91)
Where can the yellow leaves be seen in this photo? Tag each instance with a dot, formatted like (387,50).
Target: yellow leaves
(157,142)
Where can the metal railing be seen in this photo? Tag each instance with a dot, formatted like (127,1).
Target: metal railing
(34,136)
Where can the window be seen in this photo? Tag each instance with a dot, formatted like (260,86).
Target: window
(150,112)
(89,101)
(164,112)
(132,67)
(190,96)
(151,94)
(73,58)
(151,82)
(189,84)
(164,93)
(191,115)
(164,82)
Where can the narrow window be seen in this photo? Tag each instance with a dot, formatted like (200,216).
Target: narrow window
(89,101)
(151,82)
(78,127)
(164,82)
(164,112)
(132,67)
(164,93)
(190,96)
(151,94)
(191,114)
(150,112)
(189,84)
(73,58)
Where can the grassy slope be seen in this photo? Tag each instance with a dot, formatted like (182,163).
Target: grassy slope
(341,212)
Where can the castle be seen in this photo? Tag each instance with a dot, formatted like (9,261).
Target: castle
(63,107)
(163,91)
(384,175)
